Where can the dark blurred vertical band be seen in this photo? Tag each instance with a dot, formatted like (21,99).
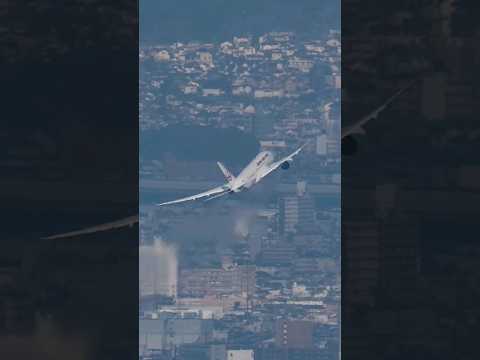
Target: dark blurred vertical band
(410,190)
(68,159)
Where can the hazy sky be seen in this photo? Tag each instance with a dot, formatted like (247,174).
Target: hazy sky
(210,20)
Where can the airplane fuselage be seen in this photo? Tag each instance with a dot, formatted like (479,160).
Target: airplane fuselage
(248,177)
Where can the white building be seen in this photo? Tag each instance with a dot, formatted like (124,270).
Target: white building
(240,355)
(241,90)
(241,41)
(314,48)
(158,269)
(259,94)
(301,64)
(226,47)
(206,58)
(333,43)
(332,80)
(162,55)
(247,51)
(333,146)
(273,144)
(321,145)
(337,81)
(276,56)
(212,92)
(250,109)
(190,88)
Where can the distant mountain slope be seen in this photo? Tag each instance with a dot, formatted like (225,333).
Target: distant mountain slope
(199,143)
(217,20)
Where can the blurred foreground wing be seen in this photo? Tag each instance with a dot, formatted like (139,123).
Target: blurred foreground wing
(220,190)
(130,221)
(357,128)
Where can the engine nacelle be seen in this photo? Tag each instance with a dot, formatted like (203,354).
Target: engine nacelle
(349,146)
(285,165)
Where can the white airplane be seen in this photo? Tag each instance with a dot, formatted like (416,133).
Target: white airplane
(262,165)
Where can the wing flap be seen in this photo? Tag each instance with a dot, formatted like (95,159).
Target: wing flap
(205,194)
(218,195)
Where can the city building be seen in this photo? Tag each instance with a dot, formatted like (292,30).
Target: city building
(297,214)
(165,333)
(277,254)
(157,269)
(269,90)
(240,355)
(321,145)
(294,334)
(237,280)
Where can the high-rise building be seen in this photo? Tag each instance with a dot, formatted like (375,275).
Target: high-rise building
(297,214)
(333,146)
(294,334)
(321,145)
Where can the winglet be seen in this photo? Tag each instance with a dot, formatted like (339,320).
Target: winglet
(304,144)
(296,152)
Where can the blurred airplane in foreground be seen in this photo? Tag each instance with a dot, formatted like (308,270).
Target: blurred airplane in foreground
(349,143)
(262,165)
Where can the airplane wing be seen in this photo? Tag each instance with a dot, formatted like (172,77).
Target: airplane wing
(357,128)
(215,192)
(129,221)
(262,173)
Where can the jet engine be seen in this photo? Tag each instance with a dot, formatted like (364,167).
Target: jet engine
(285,165)
(349,146)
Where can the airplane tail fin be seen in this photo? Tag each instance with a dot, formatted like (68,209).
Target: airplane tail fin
(228,175)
